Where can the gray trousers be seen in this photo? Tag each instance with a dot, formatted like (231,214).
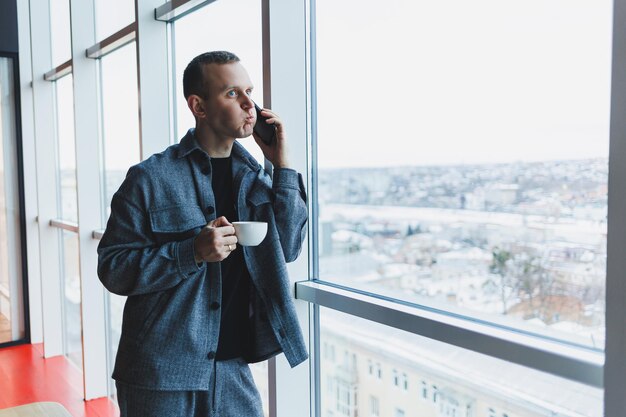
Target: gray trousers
(232,393)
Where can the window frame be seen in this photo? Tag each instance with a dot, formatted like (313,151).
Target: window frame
(615,348)
(577,363)
(602,369)
(20,193)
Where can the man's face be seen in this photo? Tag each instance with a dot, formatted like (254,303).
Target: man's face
(229,110)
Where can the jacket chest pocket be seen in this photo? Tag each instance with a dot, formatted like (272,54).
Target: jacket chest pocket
(259,197)
(176,223)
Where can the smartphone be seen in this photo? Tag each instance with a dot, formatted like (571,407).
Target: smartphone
(266,131)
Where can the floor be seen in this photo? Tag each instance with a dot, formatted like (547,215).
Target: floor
(25,376)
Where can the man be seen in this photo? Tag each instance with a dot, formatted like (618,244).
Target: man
(200,307)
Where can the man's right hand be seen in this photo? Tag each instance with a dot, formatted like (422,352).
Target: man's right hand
(215,242)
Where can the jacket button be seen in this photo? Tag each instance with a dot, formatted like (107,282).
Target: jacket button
(210,210)
(215,305)
(206,170)
(211,355)
(281,333)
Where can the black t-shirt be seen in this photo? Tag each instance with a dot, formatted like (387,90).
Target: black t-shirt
(235,277)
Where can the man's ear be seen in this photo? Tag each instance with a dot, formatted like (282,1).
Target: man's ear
(195,104)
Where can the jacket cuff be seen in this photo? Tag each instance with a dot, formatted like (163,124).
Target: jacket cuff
(186,260)
(286,177)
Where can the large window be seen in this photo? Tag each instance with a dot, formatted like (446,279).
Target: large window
(462,166)
(443,380)
(121,150)
(11,287)
(463,157)
(212,28)
(68,212)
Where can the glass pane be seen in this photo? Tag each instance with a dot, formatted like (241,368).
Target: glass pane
(66,148)
(211,28)
(60,35)
(120,117)
(468,169)
(260,375)
(68,210)
(368,369)
(112,16)
(120,108)
(11,286)
(116,310)
(72,298)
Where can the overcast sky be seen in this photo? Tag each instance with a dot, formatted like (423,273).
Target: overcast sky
(452,81)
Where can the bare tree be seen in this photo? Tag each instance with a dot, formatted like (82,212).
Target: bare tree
(499,267)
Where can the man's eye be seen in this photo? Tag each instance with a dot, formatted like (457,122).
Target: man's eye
(249,92)
(232,93)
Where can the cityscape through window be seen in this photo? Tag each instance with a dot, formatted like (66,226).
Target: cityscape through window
(462,165)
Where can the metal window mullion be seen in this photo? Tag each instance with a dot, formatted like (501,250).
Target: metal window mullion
(44,128)
(266,54)
(272,377)
(288,92)
(554,357)
(173,85)
(153,81)
(315,361)
(312,186)
(615,365)
(29,174)
(101,147)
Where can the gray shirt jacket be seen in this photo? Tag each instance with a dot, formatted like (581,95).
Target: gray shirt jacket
(171,321)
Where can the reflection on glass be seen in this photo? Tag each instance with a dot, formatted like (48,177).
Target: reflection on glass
(120,110)
(116,310)
(463,170)
(211,29)
(368,369)
(71,298)
(112,16)
(68,210)
(66,148)
(60,35)
(11,295)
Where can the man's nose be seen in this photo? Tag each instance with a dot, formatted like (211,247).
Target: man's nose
(247,102)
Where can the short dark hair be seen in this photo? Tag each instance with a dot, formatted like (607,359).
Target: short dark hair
(193,78)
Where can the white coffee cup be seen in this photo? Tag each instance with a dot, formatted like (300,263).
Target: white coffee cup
(250,233)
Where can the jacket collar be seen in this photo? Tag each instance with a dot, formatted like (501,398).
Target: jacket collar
(241,157)
(188,144)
